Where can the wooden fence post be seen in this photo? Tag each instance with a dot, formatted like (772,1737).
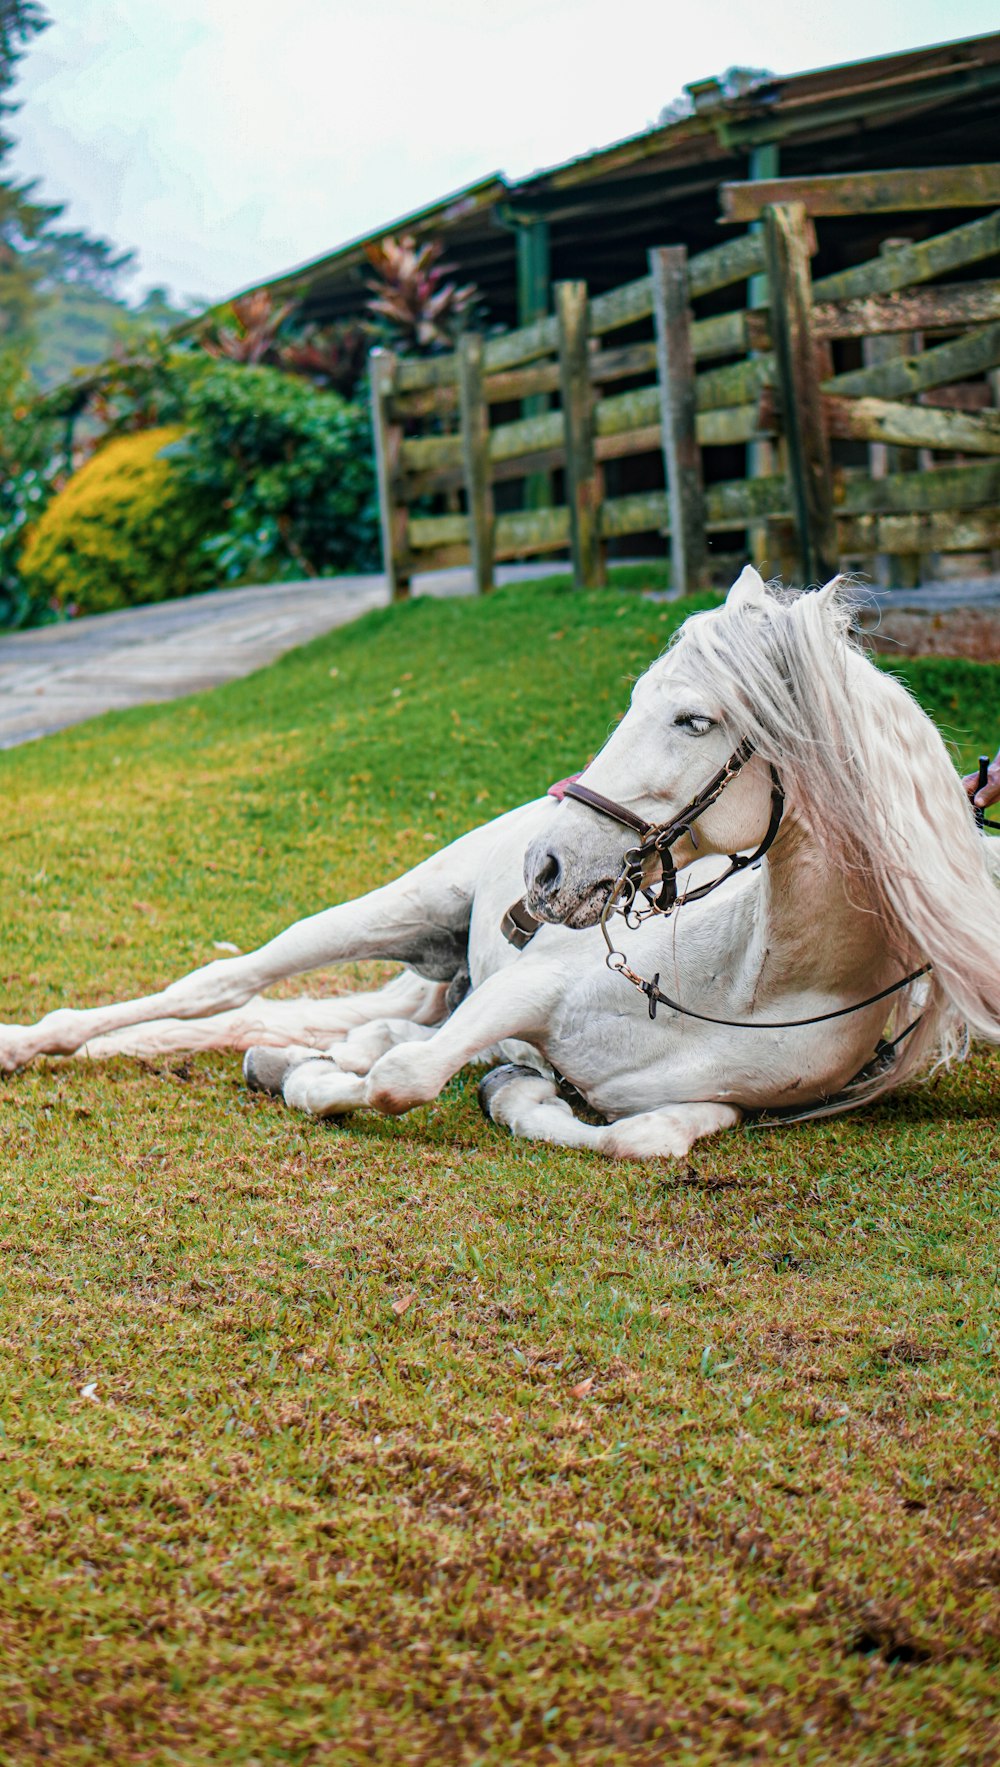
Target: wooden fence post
(476,458)
(388,444)
(762,453)
(790,282)
(898,571)
(583,477)
(681,455)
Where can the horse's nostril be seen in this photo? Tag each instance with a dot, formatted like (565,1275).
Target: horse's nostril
(548,873)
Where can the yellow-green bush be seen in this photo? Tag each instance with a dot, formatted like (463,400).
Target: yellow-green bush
(126,528)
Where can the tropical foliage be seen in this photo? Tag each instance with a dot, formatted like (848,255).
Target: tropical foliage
(249,332)
(249,460)
(209,472)
(257,331)
(417,307)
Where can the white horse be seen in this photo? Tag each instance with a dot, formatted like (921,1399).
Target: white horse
(779,984)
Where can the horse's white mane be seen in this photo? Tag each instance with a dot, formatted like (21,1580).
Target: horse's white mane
(868,774)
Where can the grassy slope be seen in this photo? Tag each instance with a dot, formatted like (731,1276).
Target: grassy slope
(698,1464)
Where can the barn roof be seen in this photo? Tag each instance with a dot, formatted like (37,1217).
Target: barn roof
(936,105)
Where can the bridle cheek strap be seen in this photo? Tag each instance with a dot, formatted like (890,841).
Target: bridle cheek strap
(737,861)
(658,838)
(519,925)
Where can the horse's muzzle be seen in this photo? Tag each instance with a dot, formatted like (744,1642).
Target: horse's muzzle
(552,896)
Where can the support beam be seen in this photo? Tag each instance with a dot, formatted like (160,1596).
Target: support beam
(533,274)
(681,455)
(583,476)
(476,458)
(868,193)
(533,283)
(802,409)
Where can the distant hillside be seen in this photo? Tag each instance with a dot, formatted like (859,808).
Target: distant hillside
(79,327)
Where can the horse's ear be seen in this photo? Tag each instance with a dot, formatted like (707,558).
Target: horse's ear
(748,589)
(831,590)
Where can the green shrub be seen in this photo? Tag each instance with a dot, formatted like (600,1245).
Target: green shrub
(126,528)
(289,469)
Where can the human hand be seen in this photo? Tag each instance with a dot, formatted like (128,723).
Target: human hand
(990,792)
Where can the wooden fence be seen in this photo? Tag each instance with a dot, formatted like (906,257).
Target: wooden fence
(883,354)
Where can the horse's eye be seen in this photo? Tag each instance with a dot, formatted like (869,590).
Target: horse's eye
(699,723)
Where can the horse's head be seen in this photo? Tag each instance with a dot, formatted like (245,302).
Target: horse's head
(674,738)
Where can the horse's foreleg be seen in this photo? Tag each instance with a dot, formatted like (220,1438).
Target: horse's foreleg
(328,1085)
(420,919)
(529,1105)
(316,1023)
(514,1003)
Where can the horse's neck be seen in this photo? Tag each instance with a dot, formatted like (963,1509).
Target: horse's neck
(808,931)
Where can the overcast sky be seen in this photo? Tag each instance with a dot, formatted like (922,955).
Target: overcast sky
(227,140)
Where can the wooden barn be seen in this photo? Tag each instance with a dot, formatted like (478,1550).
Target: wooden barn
(596,217)
(728,333)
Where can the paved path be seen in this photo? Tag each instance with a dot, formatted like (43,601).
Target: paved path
(60,675)
(938,598)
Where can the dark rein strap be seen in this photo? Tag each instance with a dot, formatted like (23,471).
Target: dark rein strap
(659,840)
(519,925)
(979,813)
(656,997)
(658,835)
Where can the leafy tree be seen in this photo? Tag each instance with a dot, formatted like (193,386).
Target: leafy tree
(80,261)
(157,312)
(20,20)
(22,219)
(79,328)
(39,261)
(32,465)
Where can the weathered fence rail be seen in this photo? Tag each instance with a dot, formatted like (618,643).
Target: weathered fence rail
(883,353)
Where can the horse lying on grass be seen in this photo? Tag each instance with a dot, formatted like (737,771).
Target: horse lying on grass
(859,892)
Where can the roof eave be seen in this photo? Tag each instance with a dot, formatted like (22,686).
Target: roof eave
(458,206)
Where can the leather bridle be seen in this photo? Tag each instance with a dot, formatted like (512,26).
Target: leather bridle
(656,839)
(519,924)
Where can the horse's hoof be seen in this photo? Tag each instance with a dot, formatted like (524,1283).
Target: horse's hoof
(497,1079)
(266,1069)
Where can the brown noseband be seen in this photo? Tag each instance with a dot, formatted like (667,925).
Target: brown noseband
(519,925)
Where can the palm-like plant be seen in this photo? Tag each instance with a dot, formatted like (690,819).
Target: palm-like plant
(332,355)
(421,309)
(252,334)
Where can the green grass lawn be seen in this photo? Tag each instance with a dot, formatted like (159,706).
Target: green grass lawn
(408,1443)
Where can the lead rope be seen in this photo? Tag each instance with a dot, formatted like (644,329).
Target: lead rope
(984,778)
